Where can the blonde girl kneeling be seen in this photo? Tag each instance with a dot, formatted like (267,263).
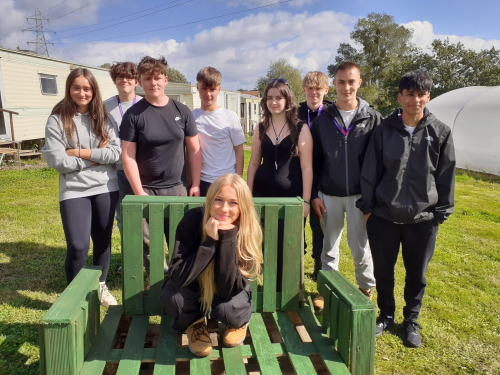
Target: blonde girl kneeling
(216,253)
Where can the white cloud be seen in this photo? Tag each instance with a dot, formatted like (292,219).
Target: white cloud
(423,35)
(257,3)
(242,49)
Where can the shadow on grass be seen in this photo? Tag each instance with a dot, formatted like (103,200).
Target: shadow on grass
(12,360)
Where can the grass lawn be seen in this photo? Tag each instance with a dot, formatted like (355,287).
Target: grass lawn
(460,314)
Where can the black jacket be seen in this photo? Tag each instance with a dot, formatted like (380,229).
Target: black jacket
(337,159)
(409,178)
(303,109)
(191,257)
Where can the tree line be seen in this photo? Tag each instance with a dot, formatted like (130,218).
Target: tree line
(384,50)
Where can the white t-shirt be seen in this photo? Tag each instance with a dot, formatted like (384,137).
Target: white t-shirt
(347,116)
(410,129)
(116,117)
(219,131)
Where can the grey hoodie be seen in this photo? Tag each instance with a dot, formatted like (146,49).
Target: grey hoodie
(78,177)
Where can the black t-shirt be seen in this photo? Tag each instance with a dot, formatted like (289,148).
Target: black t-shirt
(159,134)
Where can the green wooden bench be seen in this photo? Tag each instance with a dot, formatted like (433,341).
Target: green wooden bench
(136,338)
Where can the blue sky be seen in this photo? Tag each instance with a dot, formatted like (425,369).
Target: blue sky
(306,32)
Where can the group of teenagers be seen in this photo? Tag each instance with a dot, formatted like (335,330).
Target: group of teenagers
(391,179)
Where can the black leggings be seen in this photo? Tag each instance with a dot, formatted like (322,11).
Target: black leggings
(85,218)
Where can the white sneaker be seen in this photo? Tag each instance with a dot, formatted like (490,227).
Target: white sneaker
(106,298)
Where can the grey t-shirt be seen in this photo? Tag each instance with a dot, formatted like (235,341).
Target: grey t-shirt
(116,117)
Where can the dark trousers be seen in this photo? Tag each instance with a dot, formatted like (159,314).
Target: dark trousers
(175,191)
(317,235)
(418,242)
(83,219)
(204,188)
(184,305)
(124,188)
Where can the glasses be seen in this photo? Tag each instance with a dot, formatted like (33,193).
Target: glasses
(119,78)
(280,80)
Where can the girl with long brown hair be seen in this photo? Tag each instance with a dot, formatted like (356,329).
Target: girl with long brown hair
(81,145)
(284,146)
(216,253)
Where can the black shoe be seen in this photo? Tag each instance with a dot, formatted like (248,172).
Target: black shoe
(383,323)
(411,336)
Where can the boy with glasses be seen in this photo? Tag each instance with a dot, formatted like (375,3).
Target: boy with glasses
(126,79)
(315,86)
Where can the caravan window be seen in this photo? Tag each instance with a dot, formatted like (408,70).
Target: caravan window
(48,84)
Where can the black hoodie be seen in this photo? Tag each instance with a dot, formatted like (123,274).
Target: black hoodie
(337,159)
(303,110)
(409,178)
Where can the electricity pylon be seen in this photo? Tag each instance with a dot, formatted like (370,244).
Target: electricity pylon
(40,42)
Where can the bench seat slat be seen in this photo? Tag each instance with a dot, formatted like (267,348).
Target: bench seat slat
(96,359)
(165,352)
(332,359)
(294,345)
(233,361)
(200,366)
(130,362)
(262,344)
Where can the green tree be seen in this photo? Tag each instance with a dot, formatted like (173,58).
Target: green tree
(283,69)
(105,65)
(175,76)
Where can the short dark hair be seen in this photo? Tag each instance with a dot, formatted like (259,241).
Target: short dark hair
(416,80)
(348,65)
(123,69)
(210,77)
(153,67)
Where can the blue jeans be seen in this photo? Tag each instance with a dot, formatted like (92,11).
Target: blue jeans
(124,188)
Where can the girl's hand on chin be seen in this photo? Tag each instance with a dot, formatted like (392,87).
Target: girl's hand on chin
(211,227)
(226,226)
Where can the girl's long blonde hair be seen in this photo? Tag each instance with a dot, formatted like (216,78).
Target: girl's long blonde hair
(249,236)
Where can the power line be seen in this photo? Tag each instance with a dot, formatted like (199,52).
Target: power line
(133,19)
(118,18)
(77,9)
(40,42)
(183,24)
(46,10)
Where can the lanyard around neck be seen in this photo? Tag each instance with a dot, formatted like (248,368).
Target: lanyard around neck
(341,128)
(309,119)
(120,103)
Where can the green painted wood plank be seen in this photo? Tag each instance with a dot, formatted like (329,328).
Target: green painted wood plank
(344,331)
(133,281)
(143,199)
(262,344)
(255,303)
(363,342)
(98,354)
(157,255)
(165,352)
(233,361)
(130,362)
(292,254)
(68,306)
(330,356)
(270,257)
(334,317)
(345,290)
(200,366)
(190,206)
(176,212)
(294,345)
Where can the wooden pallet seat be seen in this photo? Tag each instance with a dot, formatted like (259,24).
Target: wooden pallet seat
(284,335)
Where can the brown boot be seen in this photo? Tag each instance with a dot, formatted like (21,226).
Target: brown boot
(198,338)
(234,336)
(319,302)
(367,292)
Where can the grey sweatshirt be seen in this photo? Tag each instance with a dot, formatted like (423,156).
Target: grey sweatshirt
(78,177)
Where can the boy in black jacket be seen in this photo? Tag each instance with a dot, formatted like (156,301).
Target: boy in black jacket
(315,86)
(407,187)
(341,135)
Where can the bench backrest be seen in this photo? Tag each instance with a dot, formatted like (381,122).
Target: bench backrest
(134,208)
